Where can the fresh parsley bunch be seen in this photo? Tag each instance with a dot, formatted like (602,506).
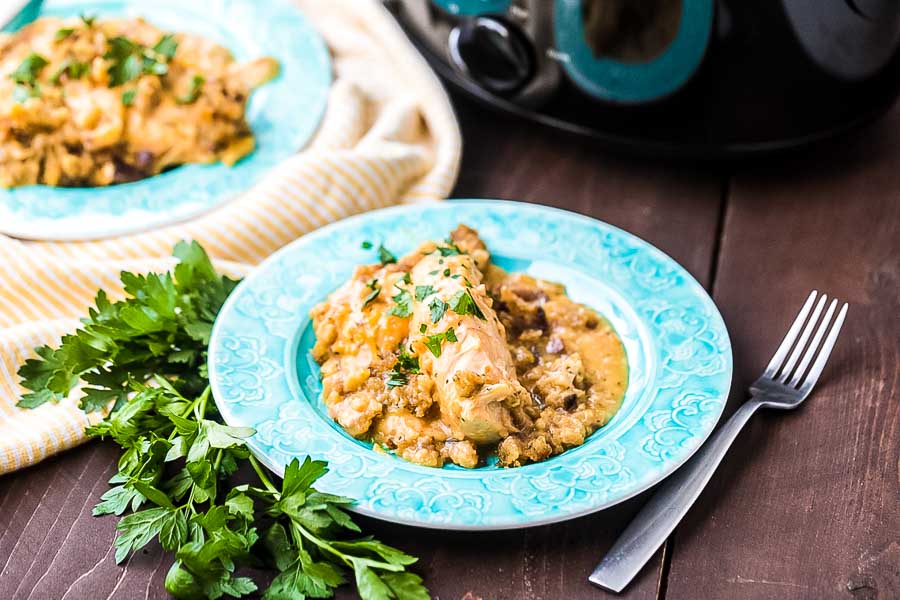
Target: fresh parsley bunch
(146,357)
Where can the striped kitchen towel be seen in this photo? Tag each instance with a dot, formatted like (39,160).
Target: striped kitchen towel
(389,136)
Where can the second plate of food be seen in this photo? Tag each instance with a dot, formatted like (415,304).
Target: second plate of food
(119,115)
(473,364)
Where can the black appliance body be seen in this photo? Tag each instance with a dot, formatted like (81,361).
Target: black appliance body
(753,77)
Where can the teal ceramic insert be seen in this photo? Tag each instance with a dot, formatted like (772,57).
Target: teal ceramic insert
(473,7)
(629,83)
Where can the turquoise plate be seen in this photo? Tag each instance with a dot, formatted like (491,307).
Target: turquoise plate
(284,114)
(678,351)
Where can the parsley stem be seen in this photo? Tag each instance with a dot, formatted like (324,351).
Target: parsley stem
(200,408)
(320,543)
(262,475)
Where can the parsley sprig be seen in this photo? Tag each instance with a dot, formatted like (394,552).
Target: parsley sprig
(146,355)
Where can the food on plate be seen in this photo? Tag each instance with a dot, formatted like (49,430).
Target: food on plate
(441,356)
(89,102)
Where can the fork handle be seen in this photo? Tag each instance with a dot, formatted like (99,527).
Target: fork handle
(665,509)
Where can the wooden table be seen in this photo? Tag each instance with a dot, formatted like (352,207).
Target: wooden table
(807,504)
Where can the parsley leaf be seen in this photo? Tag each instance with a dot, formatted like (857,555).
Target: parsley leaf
(396,378)
(73,69)
(63,33)
(385,256)
(450,249)
(433,342)
(193,93)
(128,97)
(366,245)
(462,303)
(29,69)
(423,291)
(21,93)
(370,297)
(88,20)
(166,46)
(438,308)
(402,304)
(407,361)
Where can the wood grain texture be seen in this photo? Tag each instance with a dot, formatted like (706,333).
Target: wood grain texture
(807,504)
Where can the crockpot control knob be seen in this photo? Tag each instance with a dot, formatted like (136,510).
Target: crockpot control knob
(493,53)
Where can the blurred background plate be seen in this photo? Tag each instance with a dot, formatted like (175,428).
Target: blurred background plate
(284,114)
(679,359)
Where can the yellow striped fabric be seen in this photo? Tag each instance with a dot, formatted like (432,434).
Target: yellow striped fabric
(388,136)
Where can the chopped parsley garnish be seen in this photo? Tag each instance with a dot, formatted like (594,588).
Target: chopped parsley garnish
(193,93)
(407,361)
(129,60)
(63,33)
(423,328)
(438,308)
(435,272)
(450,249)
(88,20)
(455,276)
(462,303)
(385,256)
(73,69)
(366,245)
(26,73)
(446,272)
(370,297)
(402,304)
(396,378)
(21,93)
(166,46)
(433,342)
(406,278)
(423,291)
(128,97)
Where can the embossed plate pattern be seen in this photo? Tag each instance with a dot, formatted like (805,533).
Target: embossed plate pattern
(284,114)
(678,351)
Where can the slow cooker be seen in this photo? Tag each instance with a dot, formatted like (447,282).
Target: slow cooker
(686,78)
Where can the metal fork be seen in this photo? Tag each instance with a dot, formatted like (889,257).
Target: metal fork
(784,385)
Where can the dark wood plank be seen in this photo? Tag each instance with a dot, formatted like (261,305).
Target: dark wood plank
(807,505)
(51,547)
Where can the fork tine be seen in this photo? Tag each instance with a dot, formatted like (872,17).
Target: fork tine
(819,365)
(814,344)
(801,343)
(788,340)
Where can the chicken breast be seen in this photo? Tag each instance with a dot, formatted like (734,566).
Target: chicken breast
(475,378)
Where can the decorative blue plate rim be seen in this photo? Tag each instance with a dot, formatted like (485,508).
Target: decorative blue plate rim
(678,350)
(284,114)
